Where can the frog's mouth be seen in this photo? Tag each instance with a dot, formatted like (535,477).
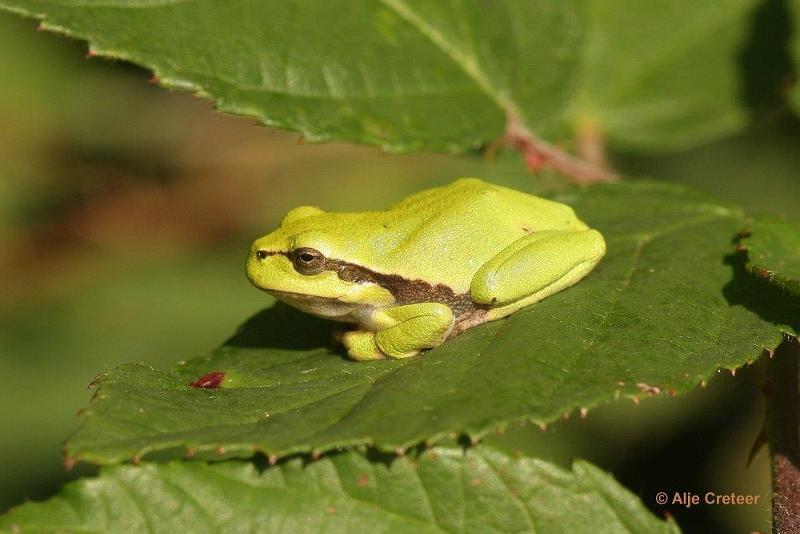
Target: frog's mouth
(327,307)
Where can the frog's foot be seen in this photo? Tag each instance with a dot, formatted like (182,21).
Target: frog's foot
(406,330)
(414,327)
(361,346)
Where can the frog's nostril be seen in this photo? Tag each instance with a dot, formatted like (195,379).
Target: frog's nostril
(261,254)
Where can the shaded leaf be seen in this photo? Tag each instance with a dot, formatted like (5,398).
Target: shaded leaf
(794,95)
(660,314)
(443,490)
(437,74)
(773,253)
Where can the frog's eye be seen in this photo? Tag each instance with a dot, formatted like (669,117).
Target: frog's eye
(261,254)
(307,260)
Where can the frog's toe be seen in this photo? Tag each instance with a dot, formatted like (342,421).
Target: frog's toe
(361,346)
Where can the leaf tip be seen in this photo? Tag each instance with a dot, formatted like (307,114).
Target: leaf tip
(96,380)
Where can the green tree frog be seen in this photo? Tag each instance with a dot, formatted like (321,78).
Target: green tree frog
(429,267)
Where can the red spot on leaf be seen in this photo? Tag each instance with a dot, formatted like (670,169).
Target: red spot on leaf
(210,381)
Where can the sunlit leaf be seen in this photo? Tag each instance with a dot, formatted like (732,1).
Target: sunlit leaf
(660,314)
(437,74)
(443,490)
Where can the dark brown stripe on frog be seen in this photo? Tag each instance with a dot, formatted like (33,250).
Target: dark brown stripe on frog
(404,290)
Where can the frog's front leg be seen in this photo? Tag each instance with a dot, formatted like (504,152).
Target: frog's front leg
(534,267)
(402,331)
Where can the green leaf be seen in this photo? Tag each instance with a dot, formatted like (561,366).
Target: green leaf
(436,75)
(659,314)
(773,253)
(442,490)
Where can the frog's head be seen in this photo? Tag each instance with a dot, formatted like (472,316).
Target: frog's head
(301,264)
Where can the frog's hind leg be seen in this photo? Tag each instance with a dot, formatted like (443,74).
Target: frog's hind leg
(534,267)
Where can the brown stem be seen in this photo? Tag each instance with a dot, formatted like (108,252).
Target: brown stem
(783,434)
(539,154)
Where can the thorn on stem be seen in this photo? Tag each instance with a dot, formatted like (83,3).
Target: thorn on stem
(539,154)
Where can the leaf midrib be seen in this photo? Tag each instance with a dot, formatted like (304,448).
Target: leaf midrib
(468,64)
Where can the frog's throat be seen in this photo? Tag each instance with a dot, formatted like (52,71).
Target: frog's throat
(404,290)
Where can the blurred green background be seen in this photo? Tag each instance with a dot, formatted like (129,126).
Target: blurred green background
(126,211)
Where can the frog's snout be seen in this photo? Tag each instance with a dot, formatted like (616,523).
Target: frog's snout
(255,264)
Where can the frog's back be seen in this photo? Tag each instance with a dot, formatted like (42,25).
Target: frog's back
(447,233)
